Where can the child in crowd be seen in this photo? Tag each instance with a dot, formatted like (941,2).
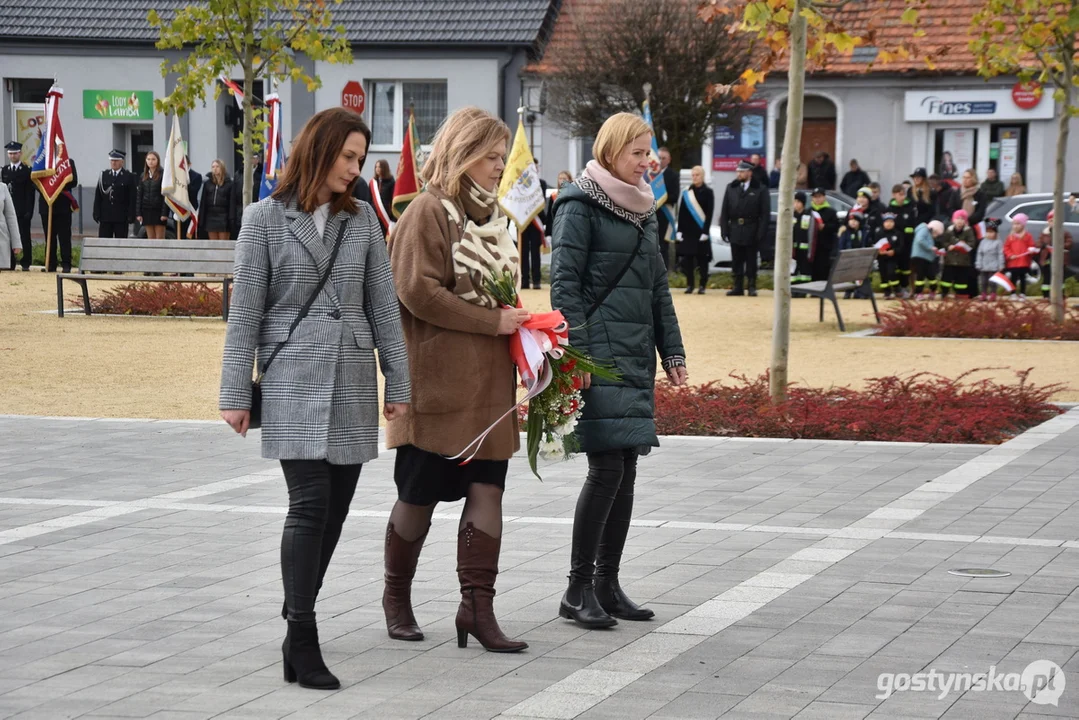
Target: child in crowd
(990,258)
(854,235)
(923,258)
(959,243)
(906,219)
(888,239)
(870,209)
(806,225)
(1045,253)
(1018,250)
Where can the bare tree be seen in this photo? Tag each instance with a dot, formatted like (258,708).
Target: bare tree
(617,46)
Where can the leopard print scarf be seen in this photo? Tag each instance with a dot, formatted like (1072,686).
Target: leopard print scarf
(482,251)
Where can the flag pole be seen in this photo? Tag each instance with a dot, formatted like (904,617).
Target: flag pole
(521,231)
(48,242)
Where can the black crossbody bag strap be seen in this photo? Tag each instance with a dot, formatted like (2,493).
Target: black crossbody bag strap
(310,301)
(617,278)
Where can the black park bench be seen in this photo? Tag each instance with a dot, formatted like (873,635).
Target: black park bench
(205,260)
(849,268)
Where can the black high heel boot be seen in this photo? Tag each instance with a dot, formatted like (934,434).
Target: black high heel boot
(580,604)
(302,658)
(615,602)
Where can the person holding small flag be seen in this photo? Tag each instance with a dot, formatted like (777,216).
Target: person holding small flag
(16,175)
(1045,253)
(1019,250)
(806,226)
(825,247)
(959,244)
(989,259)
(114,198)
(888,239)
(695,210)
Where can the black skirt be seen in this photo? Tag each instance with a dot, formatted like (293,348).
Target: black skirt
(424,478)
(217,220)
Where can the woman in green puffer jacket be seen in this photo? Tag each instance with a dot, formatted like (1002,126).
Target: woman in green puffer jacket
(609,280)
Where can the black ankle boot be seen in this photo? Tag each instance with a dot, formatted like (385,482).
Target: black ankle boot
(580,605)
(302,658)
(615,603)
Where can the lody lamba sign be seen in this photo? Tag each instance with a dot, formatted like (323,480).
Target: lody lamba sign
(973,106)
(117,104)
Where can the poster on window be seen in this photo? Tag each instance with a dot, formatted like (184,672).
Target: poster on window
(739,138)
(29,125)
(1009,153)
(960,144)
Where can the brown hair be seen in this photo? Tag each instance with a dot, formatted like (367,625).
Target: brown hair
(314,153)
(384,166)
(898,188)
(146,168)
(224,173)
(464,138)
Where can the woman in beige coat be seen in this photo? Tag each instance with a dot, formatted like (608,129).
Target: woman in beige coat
(462,376)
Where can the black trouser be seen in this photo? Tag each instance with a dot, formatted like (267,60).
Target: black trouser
(318,498)
(61,233)
(604,509)
(530,257)
(924,274)
(112,229)
(744,264)
(692,264)
(954,277)
(902,265)
(27,243)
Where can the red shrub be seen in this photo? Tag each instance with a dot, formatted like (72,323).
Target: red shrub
(158,298)
(973,319)
(920,408)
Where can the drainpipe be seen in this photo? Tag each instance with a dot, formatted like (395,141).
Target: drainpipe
(503,63)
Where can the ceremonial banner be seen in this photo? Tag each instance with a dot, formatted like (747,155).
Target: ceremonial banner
(520,194)
(175,179)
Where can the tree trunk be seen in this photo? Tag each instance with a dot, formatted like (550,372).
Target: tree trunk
(249,118)
(1060,257)
(781,329)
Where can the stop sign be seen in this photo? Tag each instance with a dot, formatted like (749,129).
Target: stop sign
(353,97)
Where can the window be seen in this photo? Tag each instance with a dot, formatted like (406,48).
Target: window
(30,90)
(1037,212)
(390,105)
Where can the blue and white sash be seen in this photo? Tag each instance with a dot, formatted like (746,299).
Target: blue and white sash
(689,201)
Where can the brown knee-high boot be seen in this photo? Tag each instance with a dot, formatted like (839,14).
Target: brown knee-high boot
(401,559)
(477,566)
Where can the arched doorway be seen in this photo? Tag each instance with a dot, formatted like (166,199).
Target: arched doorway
(819,127)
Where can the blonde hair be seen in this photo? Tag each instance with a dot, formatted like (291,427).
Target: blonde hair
(617,132)
(224,172)
(465,137)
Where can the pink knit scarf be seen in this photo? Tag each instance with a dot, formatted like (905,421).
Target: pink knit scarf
(636,199)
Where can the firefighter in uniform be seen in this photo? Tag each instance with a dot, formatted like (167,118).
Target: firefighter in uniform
(743,219)
(114,199)
(16,175)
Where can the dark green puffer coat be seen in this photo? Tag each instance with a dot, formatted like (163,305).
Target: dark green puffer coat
(590,246)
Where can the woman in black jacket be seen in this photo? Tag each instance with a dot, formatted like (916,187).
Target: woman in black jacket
(386,183)
(150,209)
(215,207)
(695,209)
(609,279)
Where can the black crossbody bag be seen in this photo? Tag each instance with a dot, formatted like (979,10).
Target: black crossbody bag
(256,384)
(617,278)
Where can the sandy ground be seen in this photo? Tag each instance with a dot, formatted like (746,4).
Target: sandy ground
(169,368)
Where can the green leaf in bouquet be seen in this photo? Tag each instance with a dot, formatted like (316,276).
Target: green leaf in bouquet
(502,288)
(585,364)
(534,434)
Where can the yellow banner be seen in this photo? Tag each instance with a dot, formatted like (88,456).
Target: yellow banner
(520,193)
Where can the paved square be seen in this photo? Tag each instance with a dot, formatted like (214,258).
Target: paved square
(139,578)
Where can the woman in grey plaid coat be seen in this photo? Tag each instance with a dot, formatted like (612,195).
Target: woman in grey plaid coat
(320,395)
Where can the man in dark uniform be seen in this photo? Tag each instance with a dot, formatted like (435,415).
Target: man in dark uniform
(665,213)
(16,175)
(743,219)
(114,199)
(760,175)
(62,209)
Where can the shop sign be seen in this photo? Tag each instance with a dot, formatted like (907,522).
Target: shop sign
(973,105)
(117,104)
(1027,95)
(738,135)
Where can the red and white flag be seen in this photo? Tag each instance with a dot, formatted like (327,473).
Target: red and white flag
(962,247)
(175,178)
(1002,280)
(234,89)
(51,170)
(380,208)
(883,245)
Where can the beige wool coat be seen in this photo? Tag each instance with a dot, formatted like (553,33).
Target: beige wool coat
(462,375)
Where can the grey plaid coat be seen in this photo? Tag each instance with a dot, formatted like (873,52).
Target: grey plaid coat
(320,395)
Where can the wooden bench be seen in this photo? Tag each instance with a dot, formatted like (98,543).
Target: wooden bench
(206,260)
(849,268)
